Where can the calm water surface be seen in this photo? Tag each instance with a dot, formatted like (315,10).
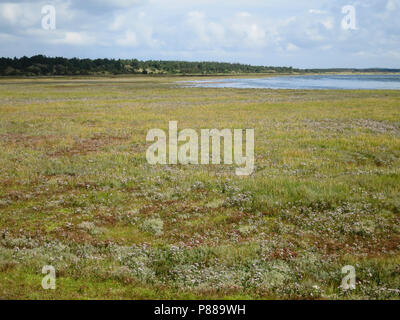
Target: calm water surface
(354,82)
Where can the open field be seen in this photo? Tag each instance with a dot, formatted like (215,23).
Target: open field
(77,193)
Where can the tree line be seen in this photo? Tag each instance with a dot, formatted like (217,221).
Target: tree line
(41,65)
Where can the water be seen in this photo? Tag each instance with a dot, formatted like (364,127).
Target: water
(354,82)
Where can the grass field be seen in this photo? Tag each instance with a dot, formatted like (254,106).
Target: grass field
(77,193)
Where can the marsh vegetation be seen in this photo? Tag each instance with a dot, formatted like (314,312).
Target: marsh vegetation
(76,192)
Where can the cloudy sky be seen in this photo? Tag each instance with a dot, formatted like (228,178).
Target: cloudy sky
(298,33)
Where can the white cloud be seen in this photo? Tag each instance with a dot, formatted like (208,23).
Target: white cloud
(128,40)
(242,29)
(9,12)
(118,22)
(196,20)
(74,38)
(391,5)
(316,11)
(328,23)
(20,14)
(255,34)
(292,47)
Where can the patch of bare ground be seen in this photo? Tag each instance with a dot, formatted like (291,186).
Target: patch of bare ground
(285,254)
(358,245)
(85,146)
(28,141)
(76,236)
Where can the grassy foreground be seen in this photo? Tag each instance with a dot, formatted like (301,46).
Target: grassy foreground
(77,193)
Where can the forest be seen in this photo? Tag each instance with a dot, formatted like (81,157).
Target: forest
(41,65)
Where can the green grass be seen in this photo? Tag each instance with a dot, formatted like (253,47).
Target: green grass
(76,192)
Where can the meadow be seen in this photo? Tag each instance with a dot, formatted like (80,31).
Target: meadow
(77,193)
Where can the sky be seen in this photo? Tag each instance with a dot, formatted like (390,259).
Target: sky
(298,33)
